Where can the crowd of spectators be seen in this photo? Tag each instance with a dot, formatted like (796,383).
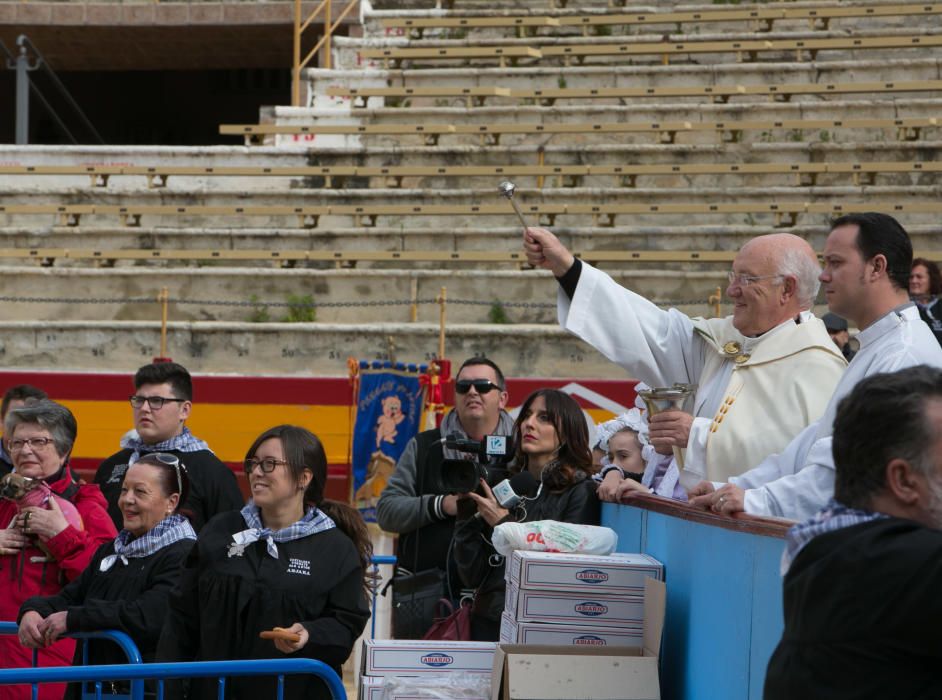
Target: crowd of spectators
(164,547)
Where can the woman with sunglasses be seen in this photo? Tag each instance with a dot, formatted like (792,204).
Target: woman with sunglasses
(551,442)
(44,547)
(127,584)
(290,560)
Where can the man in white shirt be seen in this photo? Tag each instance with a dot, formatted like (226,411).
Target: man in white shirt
(763,373)
(867,261)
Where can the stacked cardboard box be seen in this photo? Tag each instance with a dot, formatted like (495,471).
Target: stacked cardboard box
(575,599)
(404,658)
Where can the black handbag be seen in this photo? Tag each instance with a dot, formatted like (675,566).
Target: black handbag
(415,600)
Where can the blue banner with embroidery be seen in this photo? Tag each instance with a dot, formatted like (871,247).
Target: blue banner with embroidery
(388,411)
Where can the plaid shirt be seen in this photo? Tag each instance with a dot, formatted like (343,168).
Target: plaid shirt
(171,529)
(833,516)
(314,521)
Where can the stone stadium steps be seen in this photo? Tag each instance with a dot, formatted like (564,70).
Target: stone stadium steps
(309,349)
(129,293)
(460,207)
(711,49)
(688,236)
(561,21)
(887,67)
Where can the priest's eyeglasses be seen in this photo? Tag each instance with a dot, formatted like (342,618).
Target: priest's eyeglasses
(747,280)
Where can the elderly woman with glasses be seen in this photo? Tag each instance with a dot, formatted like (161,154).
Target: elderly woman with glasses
(45,547)
(129,580)
(290,562)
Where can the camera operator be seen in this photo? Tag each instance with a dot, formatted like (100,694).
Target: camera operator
(414,503)
(551,443)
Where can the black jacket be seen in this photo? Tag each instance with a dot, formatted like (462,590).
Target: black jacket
(223,602)
(862,616)
(478,562)
(130,598)
(931,313)
(213,486)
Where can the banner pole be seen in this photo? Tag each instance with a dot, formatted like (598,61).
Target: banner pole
(442,300)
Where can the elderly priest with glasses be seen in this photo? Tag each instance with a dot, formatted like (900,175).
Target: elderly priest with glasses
(763,374)
(161,403)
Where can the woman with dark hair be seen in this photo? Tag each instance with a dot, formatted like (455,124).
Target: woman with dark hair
(42,548)
(925,286)
(127,583)
(289,559)
(551,442)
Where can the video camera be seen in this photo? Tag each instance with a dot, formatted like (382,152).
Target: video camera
(494,452)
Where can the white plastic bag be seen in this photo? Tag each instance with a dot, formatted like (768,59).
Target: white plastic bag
(554,536)
(456,685)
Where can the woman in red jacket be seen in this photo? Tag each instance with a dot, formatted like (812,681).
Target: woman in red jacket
(40,549)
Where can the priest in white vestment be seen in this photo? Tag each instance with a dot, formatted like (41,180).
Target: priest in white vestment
(867,261)
(764,373)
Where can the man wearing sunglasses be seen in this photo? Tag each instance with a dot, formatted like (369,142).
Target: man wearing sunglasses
(763,374)
(161,403)
(411,506)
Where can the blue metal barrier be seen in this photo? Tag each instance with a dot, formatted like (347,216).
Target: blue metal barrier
(190,669)
(377,561)
(127,645)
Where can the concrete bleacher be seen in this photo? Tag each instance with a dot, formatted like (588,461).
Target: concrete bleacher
(381,189)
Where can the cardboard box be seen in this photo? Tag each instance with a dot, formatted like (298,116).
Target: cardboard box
(513,632)
(578,608)
(371,688)
(530,672)
(619,573)
(407,657)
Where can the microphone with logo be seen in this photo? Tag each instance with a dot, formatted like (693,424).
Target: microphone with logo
(464,475)
(510,492)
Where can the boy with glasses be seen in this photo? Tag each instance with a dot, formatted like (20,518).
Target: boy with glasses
(411,505)
(161,403)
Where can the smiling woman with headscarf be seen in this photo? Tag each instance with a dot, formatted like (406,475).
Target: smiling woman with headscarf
(129,580)
(41,550)
(289,559)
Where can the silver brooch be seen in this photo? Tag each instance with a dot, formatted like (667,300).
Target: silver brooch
(236,549)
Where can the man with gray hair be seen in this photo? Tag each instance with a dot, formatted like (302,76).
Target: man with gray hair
(763,374)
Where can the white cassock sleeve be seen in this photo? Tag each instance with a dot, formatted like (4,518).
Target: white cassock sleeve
(656,346)
(794,484)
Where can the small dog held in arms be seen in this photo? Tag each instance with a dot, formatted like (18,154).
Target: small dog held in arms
(27,492)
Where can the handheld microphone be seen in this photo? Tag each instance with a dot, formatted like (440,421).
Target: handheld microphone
(510,491)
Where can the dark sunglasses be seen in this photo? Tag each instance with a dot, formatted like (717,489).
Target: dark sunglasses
(482,386)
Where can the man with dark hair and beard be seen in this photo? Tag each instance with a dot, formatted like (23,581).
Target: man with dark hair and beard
(861,593)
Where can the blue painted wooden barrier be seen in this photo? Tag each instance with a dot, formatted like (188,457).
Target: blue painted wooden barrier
(724,594)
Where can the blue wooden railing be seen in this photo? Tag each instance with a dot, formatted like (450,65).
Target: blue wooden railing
(724,593)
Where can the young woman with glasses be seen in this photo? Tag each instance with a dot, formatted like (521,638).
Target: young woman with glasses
(127,583)
(43,547)
(290,560)
(551,441)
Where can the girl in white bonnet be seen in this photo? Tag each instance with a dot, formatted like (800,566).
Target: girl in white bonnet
(630,463)
(623,442)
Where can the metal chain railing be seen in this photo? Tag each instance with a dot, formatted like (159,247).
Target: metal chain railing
(312,305)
